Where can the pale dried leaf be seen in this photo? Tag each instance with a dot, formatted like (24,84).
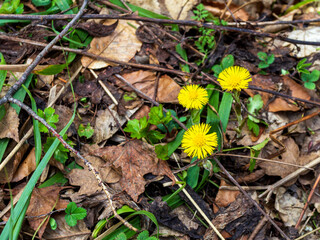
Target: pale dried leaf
(289,206)
(9,125)
(105,125)
(121,45)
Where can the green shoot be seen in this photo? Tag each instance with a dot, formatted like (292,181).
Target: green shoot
(50,117)
(74,214)
(85,131)
(226,62)
(301,66)
(266,60)
(310,78)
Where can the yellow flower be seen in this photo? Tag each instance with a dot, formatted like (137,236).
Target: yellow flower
(197,142)
(193,96)
(234,77)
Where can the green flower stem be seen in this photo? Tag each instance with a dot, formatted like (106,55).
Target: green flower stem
(195,116)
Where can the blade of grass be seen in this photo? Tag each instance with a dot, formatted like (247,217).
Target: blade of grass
(31,184)
(225,108)
(36,131)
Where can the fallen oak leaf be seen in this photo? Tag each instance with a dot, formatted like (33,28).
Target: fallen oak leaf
(135,158)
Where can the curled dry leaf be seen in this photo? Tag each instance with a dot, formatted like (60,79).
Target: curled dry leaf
(224,197)
(136,158)
(285,84)
(9,125)
(98,30)
(42,201)
(145,81)
(121,45)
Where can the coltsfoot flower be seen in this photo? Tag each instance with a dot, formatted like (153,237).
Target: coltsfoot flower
(198,143)
(193,97)
(234,78)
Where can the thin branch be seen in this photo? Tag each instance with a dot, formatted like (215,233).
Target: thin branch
(77,153)
(160,21)
(37,60)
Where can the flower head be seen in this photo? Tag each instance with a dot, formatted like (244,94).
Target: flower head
(197,142)
(193,96)
(234,77)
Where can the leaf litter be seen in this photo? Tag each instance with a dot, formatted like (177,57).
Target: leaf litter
(130,167)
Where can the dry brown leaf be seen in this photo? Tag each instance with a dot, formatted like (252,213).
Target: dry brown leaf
(26,167)
(291,155)
(42,202)
(65,232)
(136,158)
(6,174)
(105,125)
(121,45)
(145,81)
(288,86)
(224,197)
(87,181)
(290,206)
(170,8)
(9,125)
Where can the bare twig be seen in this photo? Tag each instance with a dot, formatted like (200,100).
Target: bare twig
(160,21)
(77,153)
(36,61)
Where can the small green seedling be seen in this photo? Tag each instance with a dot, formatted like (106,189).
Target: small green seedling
(301,66)
(227,61)
(53,223)
(85,131)
(61,153)
(74,214)
(50,117)
(309,79)
(266,60)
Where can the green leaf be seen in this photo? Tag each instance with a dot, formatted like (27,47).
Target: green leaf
(270,59)
(10,7)
(227,61)
(193,174)
(53,223)
(143,235)
(309,85)
(50,117)
(156,116)
(74,213)
(61,153)
(39,3)
(121,236)
(217,69)
(162,152)
(2,112)
(263,65)
(137,128)
(225,108)
(154,136)
(262,56)
(314,76)
(261,145)
(57,178)
(52,69)
(254,105)
(172,146)
(252,126)
(85,131)
(302,70)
